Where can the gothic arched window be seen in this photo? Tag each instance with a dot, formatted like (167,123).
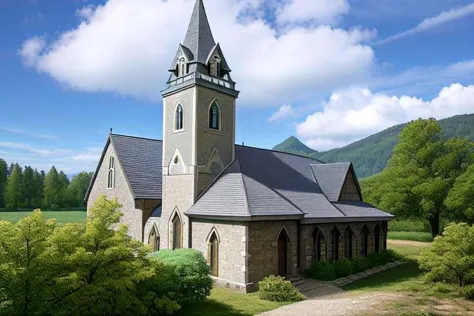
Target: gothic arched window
(214,116)
(179,117)
(177,241)
(111,174)
(181,67)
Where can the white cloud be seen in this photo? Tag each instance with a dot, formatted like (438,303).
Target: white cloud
(33,149)
(126,46)
(31,134)
(429,23)
(31,49)
(283,112)
(86,12)
(355,113)
(92,154)
(318,11)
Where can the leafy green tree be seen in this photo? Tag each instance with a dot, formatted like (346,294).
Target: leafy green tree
(460,200)
(38,187)
(451,256)
(64,181)
(14,191)
(101,265)
(28,187)
(3,181)
(24,268)
(76,191)
(420,173)
(53,189)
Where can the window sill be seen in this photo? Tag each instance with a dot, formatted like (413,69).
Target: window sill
(177,131)
(213,131)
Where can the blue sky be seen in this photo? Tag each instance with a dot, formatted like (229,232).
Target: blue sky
(328,71)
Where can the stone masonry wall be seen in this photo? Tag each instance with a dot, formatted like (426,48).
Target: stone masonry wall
(232,259)
(263,248)
(131,216)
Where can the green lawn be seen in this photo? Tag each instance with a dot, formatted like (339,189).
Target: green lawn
(62,217)
(415,236)
(230,303)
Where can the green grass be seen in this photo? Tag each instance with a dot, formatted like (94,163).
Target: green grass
(414,236)
(62,217)
(226,302)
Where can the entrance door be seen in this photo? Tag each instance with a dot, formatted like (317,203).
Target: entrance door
(283,253)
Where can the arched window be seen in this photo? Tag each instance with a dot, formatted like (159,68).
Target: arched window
(177,232)
(364,241)
(179,117)
(377,238)
(213,253)
(154,239)
(214,116)
(181,67)
(319,245)
(348,243)
(215,66)
(283,241)
(111,174)
(336,239)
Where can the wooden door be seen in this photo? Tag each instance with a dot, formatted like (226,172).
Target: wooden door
(282,254)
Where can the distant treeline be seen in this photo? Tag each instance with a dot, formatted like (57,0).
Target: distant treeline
(29,188)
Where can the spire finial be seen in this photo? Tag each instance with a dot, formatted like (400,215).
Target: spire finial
(110,130)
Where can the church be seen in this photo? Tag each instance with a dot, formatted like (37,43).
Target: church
(252,212)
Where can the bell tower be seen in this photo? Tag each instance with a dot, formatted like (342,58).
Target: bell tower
(198,126)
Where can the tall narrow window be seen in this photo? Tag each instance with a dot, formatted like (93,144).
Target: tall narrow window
(177,236)
(111,174)
(319,245)
(348,243)
(214,115)
(377,238)
(364,241)
(336,239)
(179,117)
(215,67)
(181,67)
(214,254)
(154,240)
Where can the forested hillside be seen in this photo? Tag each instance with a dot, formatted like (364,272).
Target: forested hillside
(370,155)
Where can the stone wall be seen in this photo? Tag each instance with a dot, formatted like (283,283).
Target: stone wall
(232,254)
(349,191)
(307,244)
(263,248)
(131,216)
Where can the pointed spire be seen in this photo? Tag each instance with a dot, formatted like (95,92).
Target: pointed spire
(199,39)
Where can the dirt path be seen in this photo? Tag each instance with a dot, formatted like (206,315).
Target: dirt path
(407,243)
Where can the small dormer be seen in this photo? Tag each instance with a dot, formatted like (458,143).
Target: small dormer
(215,66)
(182,67)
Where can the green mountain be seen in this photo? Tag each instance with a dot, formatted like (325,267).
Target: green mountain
(371,154)
(294,146)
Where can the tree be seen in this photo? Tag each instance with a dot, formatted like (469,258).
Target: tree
(28,187)
(460,200)
(76,191)
(38,189)
(3,181)
(101,265)
(24,268)
(52,189)
(420,173)
(13,194)
(451,256)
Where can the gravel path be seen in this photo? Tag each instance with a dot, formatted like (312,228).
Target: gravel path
(407,243)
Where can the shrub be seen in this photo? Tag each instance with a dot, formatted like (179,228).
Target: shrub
(468,292)
(276,288)
(383,257)
(191,272)
(360,264)
(342,268)
(321,271)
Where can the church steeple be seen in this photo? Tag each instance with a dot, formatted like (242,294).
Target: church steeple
(199,60)
(199,39)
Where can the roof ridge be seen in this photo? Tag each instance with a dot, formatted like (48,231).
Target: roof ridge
(281,152)
(138,137)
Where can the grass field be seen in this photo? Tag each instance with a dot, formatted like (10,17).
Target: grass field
(415,236)
(229,303)
(62,217)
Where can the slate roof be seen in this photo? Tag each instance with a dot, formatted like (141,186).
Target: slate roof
(271,183)
(330,178)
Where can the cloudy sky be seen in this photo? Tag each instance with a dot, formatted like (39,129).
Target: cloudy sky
(327,71)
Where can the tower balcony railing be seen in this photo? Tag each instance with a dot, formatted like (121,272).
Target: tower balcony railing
(194,75)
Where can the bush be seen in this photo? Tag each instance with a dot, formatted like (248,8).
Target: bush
(383,257)
(276,288)
(321,271)
(409,225)
(191,273)
(342,268)
(360,264)
(468,292)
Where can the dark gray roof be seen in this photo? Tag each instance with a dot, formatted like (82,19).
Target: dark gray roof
(330,178)
(141,161)
(199,39)
(269,183)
